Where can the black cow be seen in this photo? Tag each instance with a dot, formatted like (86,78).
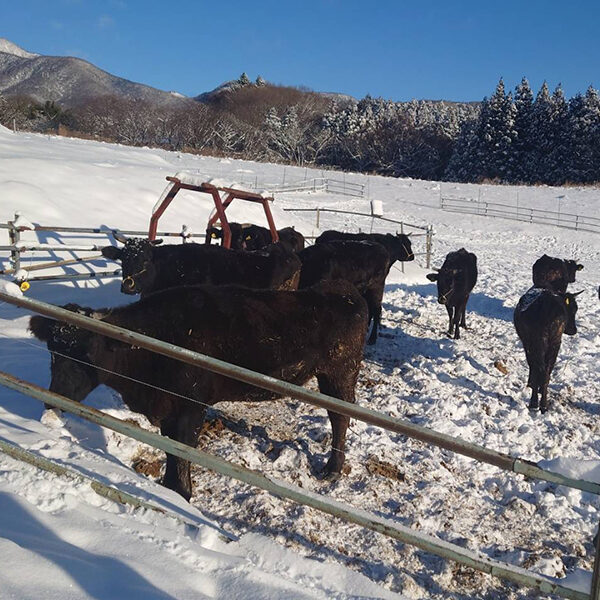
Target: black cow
(254,237)
(363,264)
(541,317)
(148,267)
(554,273)
(288,335)
(455,280)
(398,246)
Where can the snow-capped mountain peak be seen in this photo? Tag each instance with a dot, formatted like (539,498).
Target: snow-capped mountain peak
(8,47)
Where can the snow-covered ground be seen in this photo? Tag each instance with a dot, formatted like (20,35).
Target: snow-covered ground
(59,539)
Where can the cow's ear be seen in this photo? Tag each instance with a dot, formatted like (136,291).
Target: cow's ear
(112,252)
(42,327)
(580,267)
(432,276)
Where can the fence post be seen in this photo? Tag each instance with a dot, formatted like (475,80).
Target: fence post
(318,217)
(402,231)
(14,236)
(428,246)
(595,591)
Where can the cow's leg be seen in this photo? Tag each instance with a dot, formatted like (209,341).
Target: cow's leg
(373,298)
(536,375)
(463,321)
(185,429)
(550,361)
(339,423)
(456,321)
(450,310)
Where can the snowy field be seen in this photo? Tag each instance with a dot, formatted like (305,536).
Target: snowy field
(58,539)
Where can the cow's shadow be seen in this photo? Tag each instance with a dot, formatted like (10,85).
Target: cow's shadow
(65,239)
(98,576)
(479,303)
(394,346)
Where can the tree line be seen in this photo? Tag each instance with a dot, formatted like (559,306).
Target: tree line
(506,138)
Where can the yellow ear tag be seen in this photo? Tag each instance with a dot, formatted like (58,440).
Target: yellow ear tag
(248,238)
(24,286)
(213,235)
(567,301)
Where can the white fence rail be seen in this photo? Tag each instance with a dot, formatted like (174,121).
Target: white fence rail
(524,214)
(325,184)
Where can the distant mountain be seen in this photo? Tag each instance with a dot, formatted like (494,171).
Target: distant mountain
(67,80)
(228,87)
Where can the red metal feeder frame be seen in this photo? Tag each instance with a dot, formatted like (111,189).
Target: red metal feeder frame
(221,204)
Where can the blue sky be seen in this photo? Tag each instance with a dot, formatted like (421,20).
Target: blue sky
(453,50)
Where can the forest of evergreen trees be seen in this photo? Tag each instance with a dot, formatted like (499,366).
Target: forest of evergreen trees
(506,138)
(518,139)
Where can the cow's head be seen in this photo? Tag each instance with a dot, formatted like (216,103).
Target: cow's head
(70,366)
(570,305)
(572,268)
(213,234)
(216,233)
(138,264)
(446,282)
(400,247)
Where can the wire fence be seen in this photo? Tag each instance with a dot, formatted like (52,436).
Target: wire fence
(524,214)
(325,184)
(284,490)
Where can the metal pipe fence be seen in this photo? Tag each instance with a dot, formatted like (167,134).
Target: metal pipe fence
(524,214)
(325,184)
(17,247)
(283,388)
(291,492)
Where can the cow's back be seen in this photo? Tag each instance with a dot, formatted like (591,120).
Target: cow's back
(466,263)
(283,334)
(196,264)
(363,264)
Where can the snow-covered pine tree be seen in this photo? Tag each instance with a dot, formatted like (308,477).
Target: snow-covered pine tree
(557,159)
(244,79)
(584,124)
(523,147)
(498,135)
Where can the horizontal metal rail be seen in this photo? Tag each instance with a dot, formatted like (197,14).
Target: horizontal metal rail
(102,489)
(35,247)
(521,213)
(104,230)
(359,214)
(291,492)
(52,265)
(70,276)
(284,388)
(346,188)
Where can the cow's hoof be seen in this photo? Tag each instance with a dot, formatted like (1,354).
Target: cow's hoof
(331,476)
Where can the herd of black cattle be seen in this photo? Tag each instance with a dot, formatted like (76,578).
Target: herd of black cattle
(276,308)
